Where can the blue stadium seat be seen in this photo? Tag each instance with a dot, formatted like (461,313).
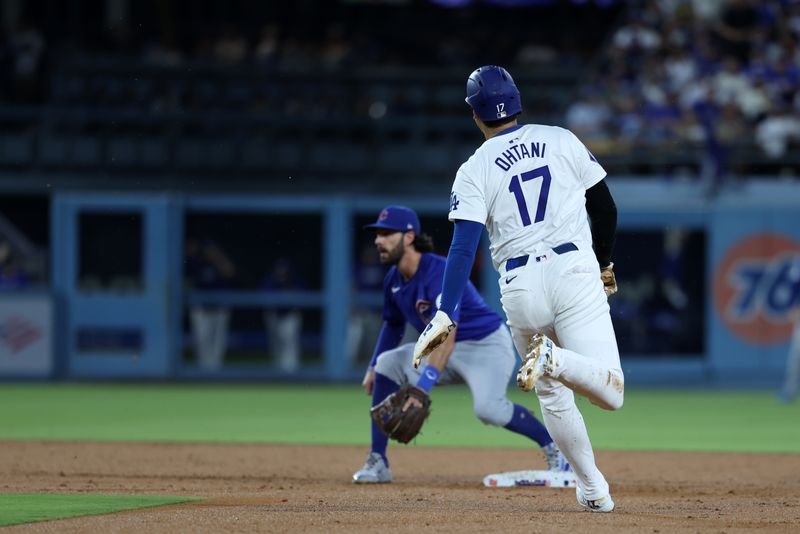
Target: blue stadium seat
(121,152)
(395,157)
(154,153)
(257,154)
(191,154)
(237,94)
(16,149)
(450,96)
(204,154)
(221,153)
(338,156)
(70,89)
(85,151)
(415,157)
(52,150)
(288,156)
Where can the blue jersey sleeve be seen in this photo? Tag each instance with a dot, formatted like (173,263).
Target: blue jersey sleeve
(466,236)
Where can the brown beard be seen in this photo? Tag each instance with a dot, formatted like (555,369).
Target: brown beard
(395,254)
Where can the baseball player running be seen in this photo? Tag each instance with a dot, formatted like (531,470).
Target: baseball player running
(532,187)
(480,352)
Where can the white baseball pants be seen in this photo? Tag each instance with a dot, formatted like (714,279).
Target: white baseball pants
(561,296)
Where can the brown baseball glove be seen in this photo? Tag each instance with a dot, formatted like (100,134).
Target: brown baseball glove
(609,280)
(397,424)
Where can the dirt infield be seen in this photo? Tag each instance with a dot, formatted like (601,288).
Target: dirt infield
(266,488)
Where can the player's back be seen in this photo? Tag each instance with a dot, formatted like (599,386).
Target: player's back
(527,185)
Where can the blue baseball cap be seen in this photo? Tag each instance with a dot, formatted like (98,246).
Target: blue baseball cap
(397,218)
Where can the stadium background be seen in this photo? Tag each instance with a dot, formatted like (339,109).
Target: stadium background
(143,142)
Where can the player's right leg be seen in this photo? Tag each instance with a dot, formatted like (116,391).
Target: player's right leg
(391,371)
(567,428)
(565,423)
(597,377)
(586,357)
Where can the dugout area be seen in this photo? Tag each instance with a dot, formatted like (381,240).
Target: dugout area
(279,458)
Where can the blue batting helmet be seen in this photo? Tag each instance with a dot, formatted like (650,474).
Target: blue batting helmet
(492,94)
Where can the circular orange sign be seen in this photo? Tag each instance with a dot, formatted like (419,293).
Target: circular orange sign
(757,287)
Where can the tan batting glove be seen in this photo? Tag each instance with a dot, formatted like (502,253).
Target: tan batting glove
(608,279)
(434,335)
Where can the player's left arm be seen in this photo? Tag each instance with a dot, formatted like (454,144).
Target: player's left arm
(466,236)
(603,215)
(600,207)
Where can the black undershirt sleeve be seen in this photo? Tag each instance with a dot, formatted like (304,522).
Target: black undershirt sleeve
(603,216)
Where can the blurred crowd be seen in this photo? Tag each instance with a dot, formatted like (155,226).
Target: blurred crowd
(721,74)
(715,76)
(271,60)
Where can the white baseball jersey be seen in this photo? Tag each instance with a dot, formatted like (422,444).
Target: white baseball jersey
(527,186)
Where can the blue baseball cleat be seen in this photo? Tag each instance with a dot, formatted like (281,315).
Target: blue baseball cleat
(556,461)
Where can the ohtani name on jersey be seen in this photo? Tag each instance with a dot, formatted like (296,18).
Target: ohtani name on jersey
(517,152)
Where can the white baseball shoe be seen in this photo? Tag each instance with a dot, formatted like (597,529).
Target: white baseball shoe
(537,362)
(556,461)
(374,471)
(603,504)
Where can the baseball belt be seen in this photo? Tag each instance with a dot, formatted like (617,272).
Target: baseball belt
(519,261)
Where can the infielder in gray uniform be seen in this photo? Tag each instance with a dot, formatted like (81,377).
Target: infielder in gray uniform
(480,353)
(531,187)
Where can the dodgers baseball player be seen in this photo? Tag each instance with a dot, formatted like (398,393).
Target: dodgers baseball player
(480,353)
(532,187)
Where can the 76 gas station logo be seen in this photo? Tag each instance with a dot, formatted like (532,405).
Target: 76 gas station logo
(757,288)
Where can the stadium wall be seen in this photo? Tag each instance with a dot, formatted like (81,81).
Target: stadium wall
(752,250)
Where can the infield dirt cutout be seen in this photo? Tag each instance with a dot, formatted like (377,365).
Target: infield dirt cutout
(269,488)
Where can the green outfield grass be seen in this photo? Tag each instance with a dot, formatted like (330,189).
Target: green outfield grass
(19,508)
(650,420)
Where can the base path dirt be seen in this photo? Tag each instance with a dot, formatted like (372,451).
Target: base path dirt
(268,488)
